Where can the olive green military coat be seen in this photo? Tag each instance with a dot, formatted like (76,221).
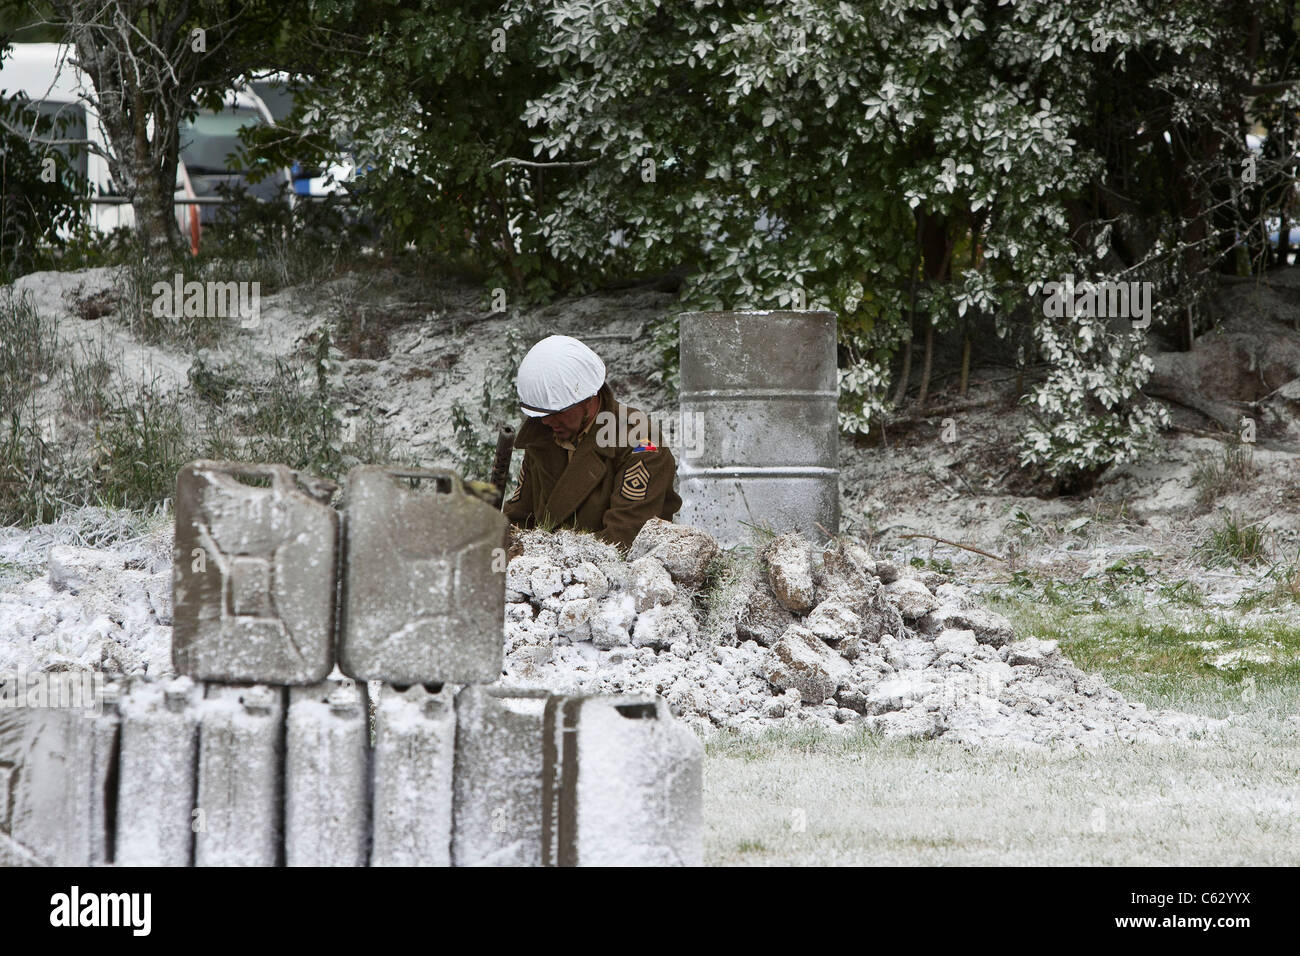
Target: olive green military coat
(607,488)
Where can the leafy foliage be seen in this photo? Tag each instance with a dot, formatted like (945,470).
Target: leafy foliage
(38,190)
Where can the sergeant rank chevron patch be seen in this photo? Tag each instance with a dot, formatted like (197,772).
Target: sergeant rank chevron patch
(636,482)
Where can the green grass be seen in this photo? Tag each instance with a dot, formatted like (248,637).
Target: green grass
(293,418)
(1235,543)
(1178,640)
(1279,589)
(146,438)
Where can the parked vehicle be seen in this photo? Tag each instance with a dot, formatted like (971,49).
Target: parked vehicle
(44,74)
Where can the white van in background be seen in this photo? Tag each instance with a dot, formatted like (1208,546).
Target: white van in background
(45,75)
(43,72)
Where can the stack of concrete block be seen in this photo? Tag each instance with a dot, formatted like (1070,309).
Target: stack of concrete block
(259,756)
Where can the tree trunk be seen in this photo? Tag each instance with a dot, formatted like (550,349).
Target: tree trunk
(139,104)
(926,365)
(965,365)
(900,392)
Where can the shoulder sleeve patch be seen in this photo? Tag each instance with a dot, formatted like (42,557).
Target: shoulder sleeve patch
(636,481)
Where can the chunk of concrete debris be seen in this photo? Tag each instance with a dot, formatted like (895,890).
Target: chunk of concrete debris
(915,723)
(414,757)
(664,625)
(519,573)
(254,576)
(156,781)
(880,618)
(327,776)
(573,616)
(888,572)
(852,698)
(238,818)
(622,784)
(789,572)
(988,626)
(545,581)
(651,583)
(803,662)
(588,582)
(956,641)
(931,579)
(953,596)
(845,576)
(72,569)
(684,551)
(1031,650)
(611,623)
(897,693)
(912,598)
(763,620)
(497,802)
(834,622)
(423,594)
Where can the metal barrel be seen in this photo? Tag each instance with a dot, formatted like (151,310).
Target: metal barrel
(759,435)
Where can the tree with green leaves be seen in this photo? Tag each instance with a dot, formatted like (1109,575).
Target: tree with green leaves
(427,98)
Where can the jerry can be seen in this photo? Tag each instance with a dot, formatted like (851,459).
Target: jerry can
(622,784)
(423,596)
(254,574)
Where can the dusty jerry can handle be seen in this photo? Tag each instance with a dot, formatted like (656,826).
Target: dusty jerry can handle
(440,474)
(283,478)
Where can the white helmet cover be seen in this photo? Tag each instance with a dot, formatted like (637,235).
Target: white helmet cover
(557,372)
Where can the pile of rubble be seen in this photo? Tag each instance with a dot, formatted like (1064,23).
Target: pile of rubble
(104,608)
(785,636)
(735,640)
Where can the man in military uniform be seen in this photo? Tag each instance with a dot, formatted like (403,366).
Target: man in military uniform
(589,461)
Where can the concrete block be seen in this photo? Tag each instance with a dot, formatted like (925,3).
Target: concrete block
(423,580)
(240,793)
(327,776)
(622,784)
(414,757)
(497,810)
(54,763)
(156,791)
(253,576)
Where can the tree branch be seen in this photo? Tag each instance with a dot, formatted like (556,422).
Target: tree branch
(511,161)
